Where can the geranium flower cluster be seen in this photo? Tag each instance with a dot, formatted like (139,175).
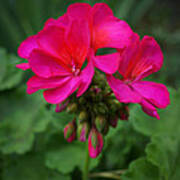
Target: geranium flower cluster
(63,57)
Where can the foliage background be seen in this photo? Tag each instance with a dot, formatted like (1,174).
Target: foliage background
(31,134)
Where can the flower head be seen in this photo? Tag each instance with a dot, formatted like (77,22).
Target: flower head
(56,55)
(63,57)
(139,60)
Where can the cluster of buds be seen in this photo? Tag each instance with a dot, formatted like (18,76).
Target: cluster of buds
(94,113)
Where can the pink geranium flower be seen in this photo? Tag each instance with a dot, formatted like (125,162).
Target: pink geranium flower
(138,61)
(106,31)
(56,55)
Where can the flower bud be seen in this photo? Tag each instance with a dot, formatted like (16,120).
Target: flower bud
(61,107)
(70,131)
(101,108)
(95,143)
(100,123)
(82,116)
(116,102)
(82,131)
(124,113)
(95,89)
(71,108)
(113,121)
(82,100)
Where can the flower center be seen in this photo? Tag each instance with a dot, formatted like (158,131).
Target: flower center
(75,70)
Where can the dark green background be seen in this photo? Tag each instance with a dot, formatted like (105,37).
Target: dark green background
(31,134)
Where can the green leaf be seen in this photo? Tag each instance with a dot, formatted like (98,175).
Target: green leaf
(163,152)
(167,124)
(124,143)
(67,157)
(3,57)
(22,116)
(164,149)
(29,167)
(10,76)
(61,119)
(141,169)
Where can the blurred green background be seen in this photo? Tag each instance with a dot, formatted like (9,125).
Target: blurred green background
(31,133)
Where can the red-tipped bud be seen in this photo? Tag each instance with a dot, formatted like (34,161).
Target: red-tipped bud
(100,123)
(70,131)
(113,121)
(61,107)
(82,131)
(124,113)
(95,143)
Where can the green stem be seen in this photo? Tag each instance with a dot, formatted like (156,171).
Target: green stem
(110,174)
(86,165)
(105,175)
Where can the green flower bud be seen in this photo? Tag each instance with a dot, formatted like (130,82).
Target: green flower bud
(83,131)
(100,123)
(82,100)
(82,116)
(71,108)
(102,108)
(116,102)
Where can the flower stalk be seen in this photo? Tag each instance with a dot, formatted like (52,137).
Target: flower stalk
(86,164)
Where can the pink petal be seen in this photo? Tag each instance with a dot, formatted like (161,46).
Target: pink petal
(128,54)
(113,33)
(50,22)
(108,31)
(123,92)
(27,46)
(101,12)
(149,109)
(78,10)
(157,94)
(23,66)
(147,59)
(78,41)
(51,41)
(45,66)
(61,21)
(57,95)
(152,52)
(86,78)
(107,63)
(36,83)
